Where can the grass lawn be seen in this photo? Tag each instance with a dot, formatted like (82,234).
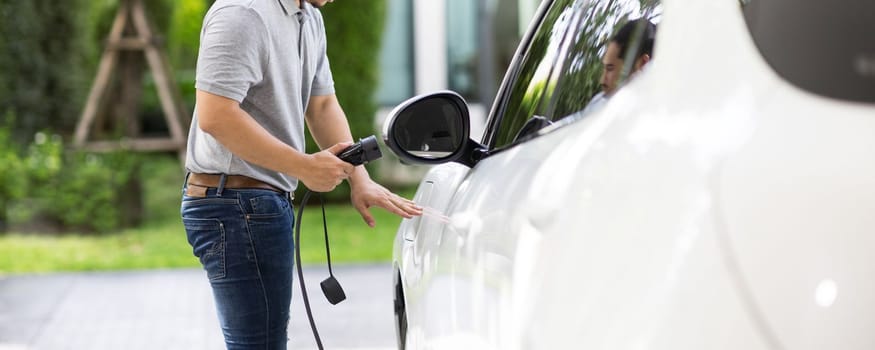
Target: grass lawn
(161,241)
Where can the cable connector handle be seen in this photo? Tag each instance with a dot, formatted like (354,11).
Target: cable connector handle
(362,152)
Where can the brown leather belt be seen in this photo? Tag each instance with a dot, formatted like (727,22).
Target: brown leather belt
(231,182)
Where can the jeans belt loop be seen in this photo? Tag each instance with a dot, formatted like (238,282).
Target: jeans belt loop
(222,179)
(185,182)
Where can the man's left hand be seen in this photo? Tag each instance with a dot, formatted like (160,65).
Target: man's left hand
(367,193)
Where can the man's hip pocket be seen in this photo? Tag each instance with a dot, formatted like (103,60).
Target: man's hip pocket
(207,239)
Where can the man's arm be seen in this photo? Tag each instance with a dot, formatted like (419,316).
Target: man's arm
(235,129)
(328,125)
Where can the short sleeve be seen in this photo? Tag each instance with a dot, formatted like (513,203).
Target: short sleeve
(233,52)
(323,82)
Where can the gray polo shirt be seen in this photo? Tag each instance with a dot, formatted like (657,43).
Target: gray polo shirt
(270,56)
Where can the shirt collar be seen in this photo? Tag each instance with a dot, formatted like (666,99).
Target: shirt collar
(290,4)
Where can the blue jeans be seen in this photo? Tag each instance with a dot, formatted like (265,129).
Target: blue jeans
(243,238)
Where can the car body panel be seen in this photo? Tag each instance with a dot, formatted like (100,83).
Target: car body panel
(706,206)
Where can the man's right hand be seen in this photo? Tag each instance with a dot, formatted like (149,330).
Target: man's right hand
(324,170)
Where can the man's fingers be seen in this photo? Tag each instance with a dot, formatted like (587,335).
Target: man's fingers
(395,208)
(366,215)
(339,147)
(406,205)
(376,195)
(411,206)
(413,210)
(400,206)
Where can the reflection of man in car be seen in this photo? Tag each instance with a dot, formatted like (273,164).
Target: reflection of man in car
(637,35)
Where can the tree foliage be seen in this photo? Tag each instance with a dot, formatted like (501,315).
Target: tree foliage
(43,54)
(184,33)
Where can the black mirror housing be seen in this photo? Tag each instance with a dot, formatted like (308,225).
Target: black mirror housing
(432,129)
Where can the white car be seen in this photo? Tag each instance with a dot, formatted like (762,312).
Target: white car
(723,197)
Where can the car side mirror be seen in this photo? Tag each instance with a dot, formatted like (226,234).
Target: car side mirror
(432,129)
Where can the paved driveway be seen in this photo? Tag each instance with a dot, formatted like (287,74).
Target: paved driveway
(173,309)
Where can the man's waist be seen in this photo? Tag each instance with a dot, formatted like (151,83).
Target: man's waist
(231,182)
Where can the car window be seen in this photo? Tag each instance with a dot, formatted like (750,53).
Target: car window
(583,71)
(527,91)
(561,70)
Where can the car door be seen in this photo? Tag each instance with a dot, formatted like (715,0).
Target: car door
(463,254)
(426,275)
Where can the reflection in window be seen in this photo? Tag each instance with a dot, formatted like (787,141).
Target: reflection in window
(562,69)
(581,77)
(536,68)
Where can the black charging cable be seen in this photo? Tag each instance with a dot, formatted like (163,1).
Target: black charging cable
(300,269)
(359,153)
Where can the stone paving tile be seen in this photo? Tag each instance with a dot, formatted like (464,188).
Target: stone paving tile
(173,309)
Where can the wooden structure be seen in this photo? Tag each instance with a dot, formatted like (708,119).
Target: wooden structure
(120,80)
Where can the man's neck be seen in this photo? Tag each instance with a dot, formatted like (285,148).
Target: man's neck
(298,3)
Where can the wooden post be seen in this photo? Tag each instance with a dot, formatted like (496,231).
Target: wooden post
(115,98)
(132,41)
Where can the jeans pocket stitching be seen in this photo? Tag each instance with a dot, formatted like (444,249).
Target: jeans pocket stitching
(216,250)
(267,206)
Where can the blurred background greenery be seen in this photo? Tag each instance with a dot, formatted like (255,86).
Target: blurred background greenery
(62,208)
(160,242)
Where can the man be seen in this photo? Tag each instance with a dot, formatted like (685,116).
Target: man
(262,72)
(637,35)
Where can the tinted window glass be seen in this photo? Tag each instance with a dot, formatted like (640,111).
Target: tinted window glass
(583,72)
(530,85)
(562,70)
(826,47)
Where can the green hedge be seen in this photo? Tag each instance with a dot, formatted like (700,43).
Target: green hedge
(13,186)
(46,187)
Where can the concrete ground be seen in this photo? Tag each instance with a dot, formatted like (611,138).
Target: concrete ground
(173,309)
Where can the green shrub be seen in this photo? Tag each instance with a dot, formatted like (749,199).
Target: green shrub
(13,184)
(71,190)
(41,166)
(89,193)
(44,159)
